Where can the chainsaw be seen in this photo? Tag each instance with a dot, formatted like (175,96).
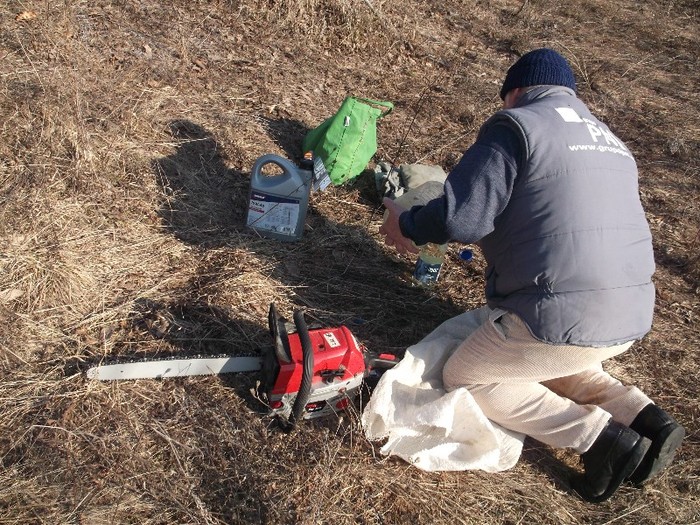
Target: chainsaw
(305,374)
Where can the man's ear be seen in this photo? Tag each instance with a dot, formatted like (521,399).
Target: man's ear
(512,98)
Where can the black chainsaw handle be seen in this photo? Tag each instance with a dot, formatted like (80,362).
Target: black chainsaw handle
(307,369)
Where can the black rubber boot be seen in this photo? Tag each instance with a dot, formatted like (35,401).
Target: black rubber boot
(666,436)
(612,458)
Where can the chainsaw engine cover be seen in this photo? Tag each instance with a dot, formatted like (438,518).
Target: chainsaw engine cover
(339,368)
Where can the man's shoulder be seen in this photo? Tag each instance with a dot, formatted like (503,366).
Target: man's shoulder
(503,133)
(506,118)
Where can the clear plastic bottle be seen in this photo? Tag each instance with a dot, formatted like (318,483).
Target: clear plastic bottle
(429,264)
(431,256)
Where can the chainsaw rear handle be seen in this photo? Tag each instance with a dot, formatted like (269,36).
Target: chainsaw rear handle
(307,371)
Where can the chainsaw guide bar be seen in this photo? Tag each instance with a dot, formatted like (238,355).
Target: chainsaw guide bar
(174,367)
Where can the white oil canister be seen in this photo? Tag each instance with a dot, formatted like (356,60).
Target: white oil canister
(277,204)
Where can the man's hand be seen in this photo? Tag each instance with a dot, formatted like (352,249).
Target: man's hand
(392,231)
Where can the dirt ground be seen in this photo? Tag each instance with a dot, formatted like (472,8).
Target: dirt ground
(129,129)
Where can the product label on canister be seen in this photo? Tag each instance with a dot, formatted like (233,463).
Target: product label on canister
(273,213)
(426,273)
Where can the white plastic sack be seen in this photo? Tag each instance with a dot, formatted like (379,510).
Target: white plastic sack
(432,429)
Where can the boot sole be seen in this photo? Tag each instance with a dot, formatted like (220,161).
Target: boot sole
(634,459)
(660,455)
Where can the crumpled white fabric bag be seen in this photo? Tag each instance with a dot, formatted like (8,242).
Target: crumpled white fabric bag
(428,427)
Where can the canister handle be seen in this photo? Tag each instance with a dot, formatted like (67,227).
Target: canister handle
(288,167)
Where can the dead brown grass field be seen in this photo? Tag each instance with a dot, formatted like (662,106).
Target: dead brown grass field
(128,132)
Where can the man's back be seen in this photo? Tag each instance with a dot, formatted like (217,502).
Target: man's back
(571,253)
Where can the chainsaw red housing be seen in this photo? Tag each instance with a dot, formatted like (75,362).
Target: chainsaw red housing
(337,358)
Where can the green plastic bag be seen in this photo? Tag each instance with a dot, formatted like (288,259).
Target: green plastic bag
(347,141)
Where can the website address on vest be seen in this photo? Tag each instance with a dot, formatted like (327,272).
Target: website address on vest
(600,148)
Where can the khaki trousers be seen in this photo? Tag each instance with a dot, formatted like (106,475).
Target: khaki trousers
(557,394)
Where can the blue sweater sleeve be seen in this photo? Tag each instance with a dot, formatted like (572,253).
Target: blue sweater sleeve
(477,190)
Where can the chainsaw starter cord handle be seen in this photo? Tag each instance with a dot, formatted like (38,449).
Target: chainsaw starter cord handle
(307,369)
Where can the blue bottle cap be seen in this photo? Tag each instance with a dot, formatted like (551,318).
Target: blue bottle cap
(466,255)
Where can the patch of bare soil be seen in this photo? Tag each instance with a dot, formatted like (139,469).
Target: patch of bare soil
(128,130)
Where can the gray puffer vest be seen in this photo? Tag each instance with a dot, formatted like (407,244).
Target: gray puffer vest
(571,253)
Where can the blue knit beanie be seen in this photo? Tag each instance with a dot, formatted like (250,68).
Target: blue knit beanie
(541,67)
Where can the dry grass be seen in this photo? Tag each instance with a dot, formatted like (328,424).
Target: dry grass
(128,132)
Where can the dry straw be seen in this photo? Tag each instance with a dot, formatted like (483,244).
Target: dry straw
(127,134)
